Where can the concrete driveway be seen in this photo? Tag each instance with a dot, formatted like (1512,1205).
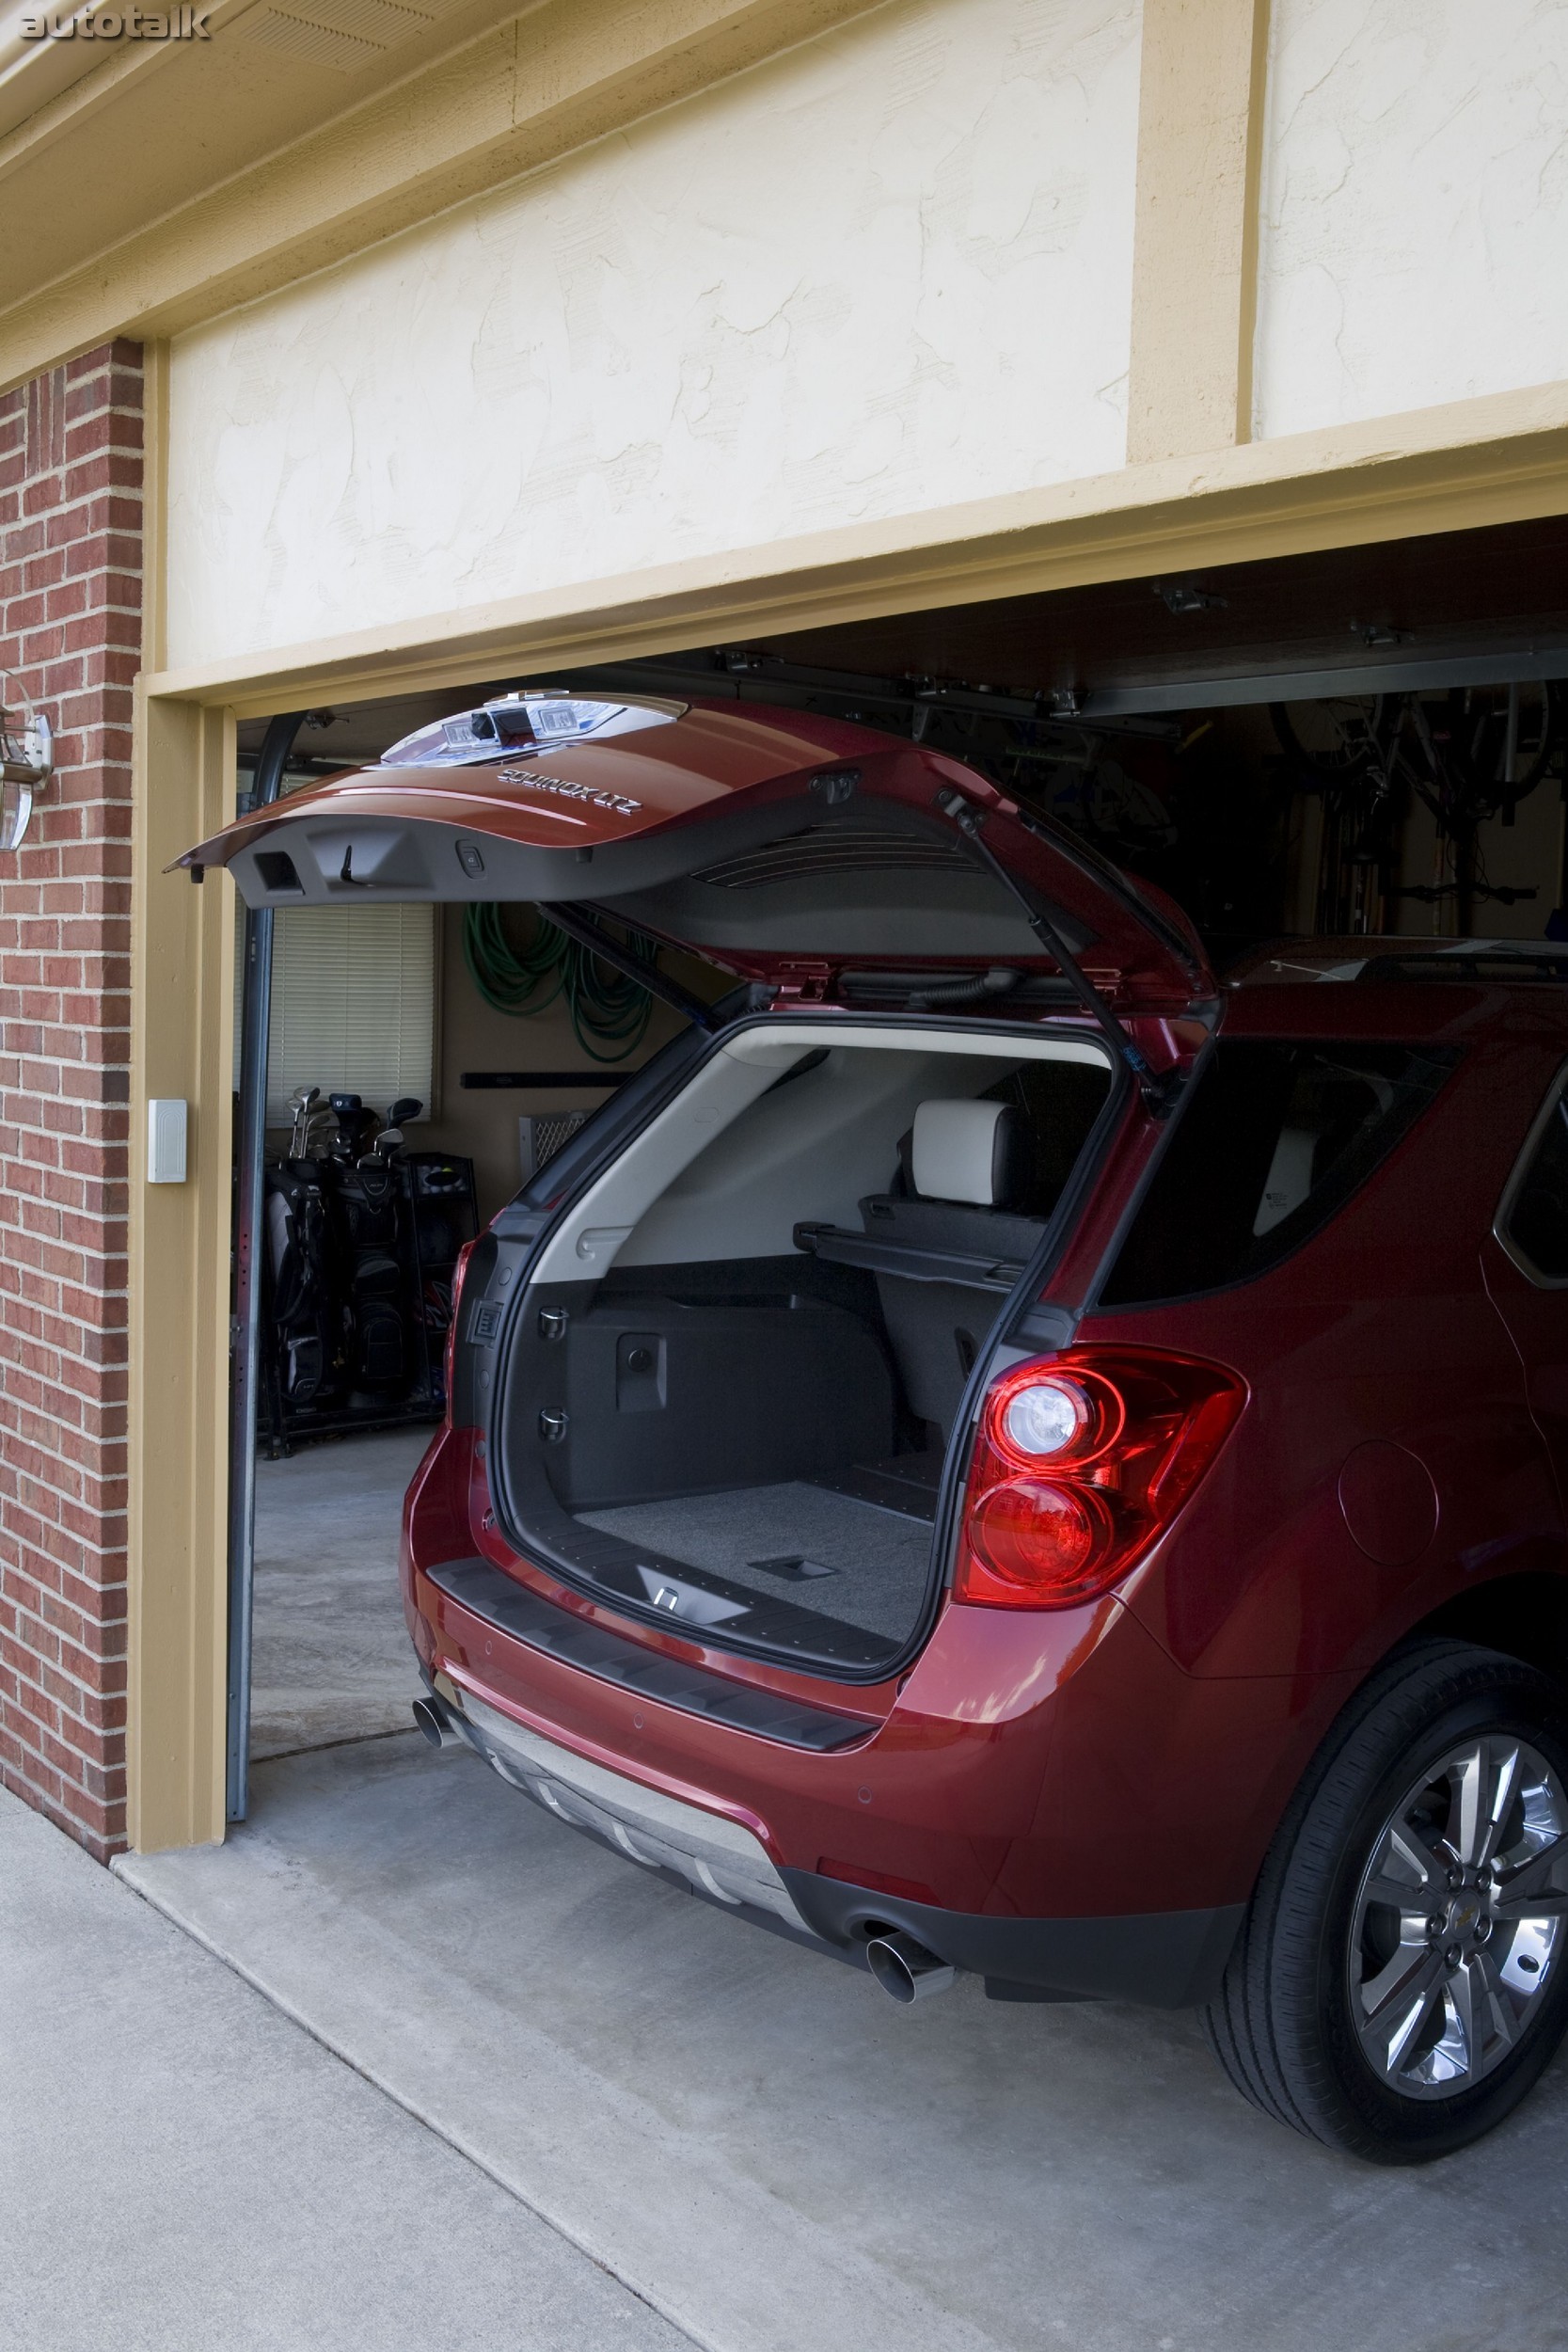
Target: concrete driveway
(778,2159)
(183,2169)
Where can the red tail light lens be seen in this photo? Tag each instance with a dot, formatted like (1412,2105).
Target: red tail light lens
(1081,1461)
(1028,1534)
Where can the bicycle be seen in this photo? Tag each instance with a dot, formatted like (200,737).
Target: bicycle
(1483,751)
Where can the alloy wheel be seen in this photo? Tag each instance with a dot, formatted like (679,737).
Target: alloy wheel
(1458,1921)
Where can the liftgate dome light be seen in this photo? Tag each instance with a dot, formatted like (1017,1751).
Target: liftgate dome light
(512,725)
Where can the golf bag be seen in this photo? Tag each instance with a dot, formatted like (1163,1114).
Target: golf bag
(368,1212)
(303,1310)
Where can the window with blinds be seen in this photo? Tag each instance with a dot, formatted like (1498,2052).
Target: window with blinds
(353,1004)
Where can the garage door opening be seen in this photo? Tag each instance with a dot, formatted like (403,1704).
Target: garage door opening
(1360,747)
(421,1063)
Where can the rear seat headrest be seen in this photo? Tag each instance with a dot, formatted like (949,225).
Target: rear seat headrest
(973,1152)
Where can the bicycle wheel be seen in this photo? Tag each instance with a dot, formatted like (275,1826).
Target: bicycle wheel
(1332,739)
(1503,737)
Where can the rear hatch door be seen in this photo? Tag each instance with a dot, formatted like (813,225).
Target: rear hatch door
(773,843)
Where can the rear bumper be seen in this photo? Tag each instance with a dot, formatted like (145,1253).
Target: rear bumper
(1166,1960)
(1045,1799)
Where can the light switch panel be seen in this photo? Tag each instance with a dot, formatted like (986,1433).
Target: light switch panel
(166,1121)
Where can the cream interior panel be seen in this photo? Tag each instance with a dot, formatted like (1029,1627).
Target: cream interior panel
(811,1150)
(730,1168)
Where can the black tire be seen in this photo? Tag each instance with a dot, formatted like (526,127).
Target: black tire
(1285,2025)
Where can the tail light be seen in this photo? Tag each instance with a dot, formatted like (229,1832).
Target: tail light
(1081,1461)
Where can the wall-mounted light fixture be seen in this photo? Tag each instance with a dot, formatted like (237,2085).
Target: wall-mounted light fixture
(26,761)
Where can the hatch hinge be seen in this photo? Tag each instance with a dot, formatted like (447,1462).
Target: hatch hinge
(1159,1088)
(803,983)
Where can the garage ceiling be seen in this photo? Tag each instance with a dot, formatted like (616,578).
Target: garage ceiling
(1495,602)
(1480,606)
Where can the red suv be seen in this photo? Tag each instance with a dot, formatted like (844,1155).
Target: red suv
(994,1452)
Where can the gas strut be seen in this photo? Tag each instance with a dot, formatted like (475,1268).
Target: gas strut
(647,974)
(1159,1088)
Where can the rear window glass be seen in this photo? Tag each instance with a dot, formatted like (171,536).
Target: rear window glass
(1276,1138)
(1538,1221)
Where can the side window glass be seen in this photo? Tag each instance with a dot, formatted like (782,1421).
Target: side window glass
(1279,1135)
(1537,1222)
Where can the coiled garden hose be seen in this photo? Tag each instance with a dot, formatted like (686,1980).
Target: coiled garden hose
(607,1009)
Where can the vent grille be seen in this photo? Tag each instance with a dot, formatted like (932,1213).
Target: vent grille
(542,1134)
(345,35)
(824,849)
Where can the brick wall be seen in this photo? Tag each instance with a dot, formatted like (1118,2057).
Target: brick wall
(71,522)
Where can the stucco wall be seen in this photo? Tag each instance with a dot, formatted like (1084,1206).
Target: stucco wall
(1414,227)
(887,271)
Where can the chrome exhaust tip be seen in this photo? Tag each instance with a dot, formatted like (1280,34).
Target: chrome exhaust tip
(436,1724)
(905,1970)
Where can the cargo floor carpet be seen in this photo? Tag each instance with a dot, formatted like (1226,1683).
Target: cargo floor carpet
(876,1559)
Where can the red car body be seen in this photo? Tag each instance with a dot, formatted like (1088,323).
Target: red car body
(1080,1799)
(1069,1800)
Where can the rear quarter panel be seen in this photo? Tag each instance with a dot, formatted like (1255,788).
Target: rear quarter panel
(1379,1327)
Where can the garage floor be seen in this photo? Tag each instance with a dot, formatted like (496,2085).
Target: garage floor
(331,1658)
(776,2157)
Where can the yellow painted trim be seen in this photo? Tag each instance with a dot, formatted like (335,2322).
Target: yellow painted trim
(31,125)
(1504,458)
(1194,253)
(181,991)
(523,94)
(154,505)
(1252,210)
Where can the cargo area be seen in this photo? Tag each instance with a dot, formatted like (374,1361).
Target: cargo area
(730,1392)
